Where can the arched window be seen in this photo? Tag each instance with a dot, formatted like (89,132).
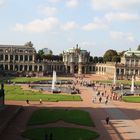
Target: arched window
(6,67)
(21,67)
(40,68)
(16,67)
(16,57)
(35,68)
(30,68)
(11,67)
(21,57)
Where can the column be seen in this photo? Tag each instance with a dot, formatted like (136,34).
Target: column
(80,69)
(72,69)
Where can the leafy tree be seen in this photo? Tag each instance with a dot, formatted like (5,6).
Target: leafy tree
(109,54)
(116,59)
(91,59)
(95,59)
(100,59)
(138,49)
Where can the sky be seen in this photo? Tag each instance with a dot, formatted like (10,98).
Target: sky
(95,25)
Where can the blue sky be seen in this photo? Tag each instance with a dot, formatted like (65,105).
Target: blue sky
(96,25)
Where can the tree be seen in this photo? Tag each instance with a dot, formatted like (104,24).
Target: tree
(40,55)
(95,59)
(91,59)
(116,59)
(109,54)
(138,49)
(100,59)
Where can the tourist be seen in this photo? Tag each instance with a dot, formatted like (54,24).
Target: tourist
(107,120)
(51,136)
(46,137)
(106,101)
(40,101)
(27,101)
(100,99)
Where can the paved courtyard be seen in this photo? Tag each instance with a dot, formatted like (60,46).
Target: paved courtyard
(124,117)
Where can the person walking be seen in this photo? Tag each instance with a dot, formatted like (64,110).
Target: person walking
(27,101)
(107,120)
(100,99)
(40,101)
(106,101)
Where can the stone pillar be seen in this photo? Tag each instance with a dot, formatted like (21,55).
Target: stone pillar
(8,66)
(72,69)
(33,58)
(23,58)
(80,69)
(33,68)
(27,67)
(85,70)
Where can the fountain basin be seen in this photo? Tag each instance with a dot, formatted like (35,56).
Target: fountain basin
(56,89)
(127,92)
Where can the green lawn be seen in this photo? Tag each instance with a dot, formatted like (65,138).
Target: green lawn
(132,99)
(29,79)
(60,133)
(52,115)
(125,82)
(16,93)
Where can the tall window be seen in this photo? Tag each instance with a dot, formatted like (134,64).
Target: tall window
(16,57)
(30,58)
(6,57)
(26,58)
(6,67)
(21,57)
(30,68)
(11,57)
(1,57)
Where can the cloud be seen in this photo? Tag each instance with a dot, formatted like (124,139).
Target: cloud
(96,24)
(47,10)
(104,21)
(2,2)
(115,4)
(72,3)
(54,1)
(122,36)
(69,25)
(38,25)
(121,16)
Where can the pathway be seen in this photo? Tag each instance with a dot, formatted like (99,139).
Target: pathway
(120,128)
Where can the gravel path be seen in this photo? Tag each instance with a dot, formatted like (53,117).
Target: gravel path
(123,126)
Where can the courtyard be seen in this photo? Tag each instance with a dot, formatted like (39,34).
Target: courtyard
(124,117)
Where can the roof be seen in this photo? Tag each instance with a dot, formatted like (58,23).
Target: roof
(130,53)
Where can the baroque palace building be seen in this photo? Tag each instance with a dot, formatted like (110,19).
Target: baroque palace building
(21,59)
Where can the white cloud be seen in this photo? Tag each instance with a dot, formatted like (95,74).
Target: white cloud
(115,4)
(47,10)
(70,26)
(96,24)
(2,2)
(122,36)
(121,16)
(54,1)
(38,25)
(72,3)
(104,21)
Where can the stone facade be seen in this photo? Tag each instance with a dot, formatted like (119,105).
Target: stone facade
(21,59)
(76,60)
(18,58)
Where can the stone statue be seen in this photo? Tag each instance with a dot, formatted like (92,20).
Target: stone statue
(29,44)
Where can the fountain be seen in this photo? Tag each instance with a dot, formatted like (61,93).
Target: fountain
(53,80)
(114,79)
(132,85)
(54,89)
